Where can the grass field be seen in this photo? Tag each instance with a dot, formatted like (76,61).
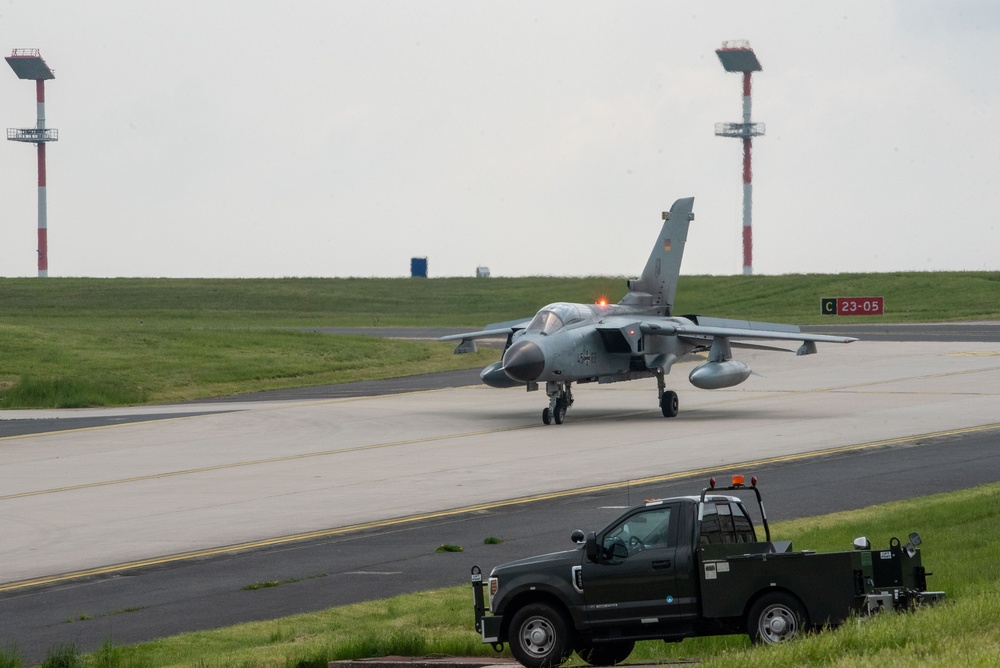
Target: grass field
(96,342)
(961,544)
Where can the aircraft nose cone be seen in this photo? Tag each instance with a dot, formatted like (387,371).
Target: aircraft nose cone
(524,361)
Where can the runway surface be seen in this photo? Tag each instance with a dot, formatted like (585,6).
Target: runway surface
(251,472)
(264,469)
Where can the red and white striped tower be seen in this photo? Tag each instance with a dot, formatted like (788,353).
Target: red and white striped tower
(28,64)
(737,56)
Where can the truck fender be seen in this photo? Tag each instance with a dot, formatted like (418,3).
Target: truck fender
(558,588)
(529,597)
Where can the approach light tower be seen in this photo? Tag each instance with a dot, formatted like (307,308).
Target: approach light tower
(737,56)
(28,64)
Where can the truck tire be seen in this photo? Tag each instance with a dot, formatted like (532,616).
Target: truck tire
(540,636)
(776,618)
(605,654)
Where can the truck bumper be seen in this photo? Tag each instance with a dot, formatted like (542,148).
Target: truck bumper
(900,600)
(487,625)
(930,597)
(490,628)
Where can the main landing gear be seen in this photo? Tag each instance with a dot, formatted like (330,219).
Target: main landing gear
(669,404)
(560,399)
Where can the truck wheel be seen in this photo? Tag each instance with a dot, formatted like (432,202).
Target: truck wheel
(540,636)
(605,654)
(776,618)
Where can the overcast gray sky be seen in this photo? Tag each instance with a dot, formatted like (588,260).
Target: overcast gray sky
(241,139)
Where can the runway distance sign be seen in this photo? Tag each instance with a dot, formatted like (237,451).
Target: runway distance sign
(852,306)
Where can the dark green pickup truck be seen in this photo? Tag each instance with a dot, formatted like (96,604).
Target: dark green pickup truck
(682,567)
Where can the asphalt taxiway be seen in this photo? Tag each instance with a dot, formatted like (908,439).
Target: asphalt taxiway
(106,509)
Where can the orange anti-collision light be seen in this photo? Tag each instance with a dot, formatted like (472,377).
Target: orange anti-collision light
(737,480)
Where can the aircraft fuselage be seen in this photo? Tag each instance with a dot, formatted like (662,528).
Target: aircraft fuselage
(587,342)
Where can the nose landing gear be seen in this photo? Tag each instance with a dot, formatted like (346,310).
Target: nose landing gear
(560,399)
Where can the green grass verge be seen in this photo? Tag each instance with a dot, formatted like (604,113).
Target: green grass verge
(97,364)
(961,546)
(99,342)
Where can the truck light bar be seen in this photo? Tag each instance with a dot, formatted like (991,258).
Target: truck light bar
(737,481)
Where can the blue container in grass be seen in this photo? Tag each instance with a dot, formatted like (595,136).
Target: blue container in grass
(418,267)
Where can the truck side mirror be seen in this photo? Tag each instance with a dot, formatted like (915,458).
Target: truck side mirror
(578,537)
(591,547)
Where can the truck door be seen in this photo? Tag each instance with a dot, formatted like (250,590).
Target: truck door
(634,580)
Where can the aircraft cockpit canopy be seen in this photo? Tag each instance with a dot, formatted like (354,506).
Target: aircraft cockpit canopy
(554,317)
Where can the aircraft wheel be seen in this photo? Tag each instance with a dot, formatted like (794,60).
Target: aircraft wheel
(559,413)
(547,416)
(669,404)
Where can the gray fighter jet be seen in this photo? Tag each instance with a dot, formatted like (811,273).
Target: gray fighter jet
(639,337)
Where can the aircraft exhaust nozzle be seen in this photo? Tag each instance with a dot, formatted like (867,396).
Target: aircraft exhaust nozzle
(494,376)
(717,375)
(524,361)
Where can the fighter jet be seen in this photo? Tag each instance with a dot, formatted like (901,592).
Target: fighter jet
(639,337)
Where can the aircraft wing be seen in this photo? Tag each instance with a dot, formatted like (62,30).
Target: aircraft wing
(738,333)
(710,328)
(467,340)
(491,331)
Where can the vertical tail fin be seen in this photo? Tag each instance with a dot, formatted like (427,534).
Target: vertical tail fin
(656,287)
